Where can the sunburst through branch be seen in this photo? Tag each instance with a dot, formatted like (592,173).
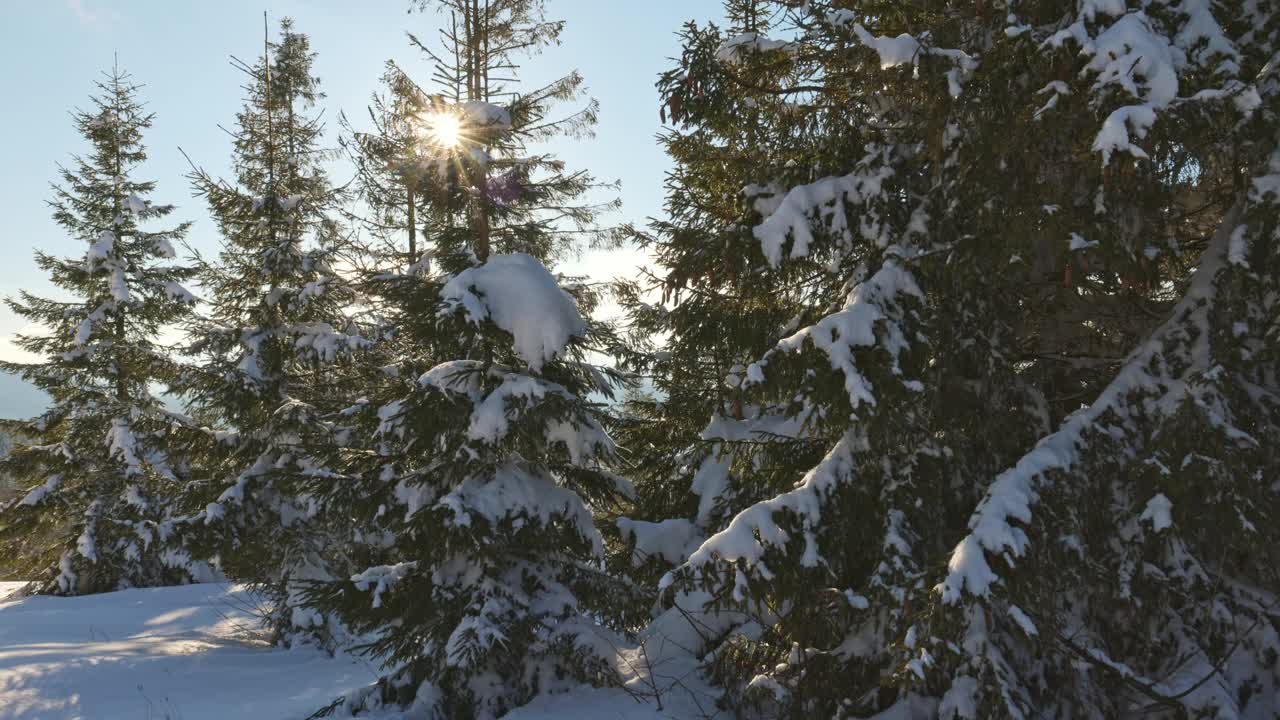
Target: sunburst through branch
(443,129)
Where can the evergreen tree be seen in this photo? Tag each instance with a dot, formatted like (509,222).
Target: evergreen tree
(480,464)
(393,173)
(438,162)
(272,343)
(1032,255)
(710,313)
(99,466)
(399,206)
(516,198)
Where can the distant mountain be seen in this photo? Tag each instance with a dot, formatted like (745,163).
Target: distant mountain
(18,399)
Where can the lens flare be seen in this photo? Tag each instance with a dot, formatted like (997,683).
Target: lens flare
(443,129)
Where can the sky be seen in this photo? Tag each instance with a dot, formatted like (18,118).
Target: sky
(53,50)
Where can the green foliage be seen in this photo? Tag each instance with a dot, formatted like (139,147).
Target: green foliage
(274,345)
(470,470)
(98,465)
(893,263)
(960,357)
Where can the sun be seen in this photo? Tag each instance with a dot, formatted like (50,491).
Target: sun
(443,129)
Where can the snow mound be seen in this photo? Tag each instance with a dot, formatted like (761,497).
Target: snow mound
(672,540)
(522,297)
(1131,48)
(135,204)
(1159,511)
(101,249)
(735,48)
(478,112)
(893,51)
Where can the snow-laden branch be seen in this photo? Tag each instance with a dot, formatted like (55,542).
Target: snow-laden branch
(823,201)
(1146,61)
(875,302)
(522,297)
(906,48)
(755,529)
(872,316)
(1147,372)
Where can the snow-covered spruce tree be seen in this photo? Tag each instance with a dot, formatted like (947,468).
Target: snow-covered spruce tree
(272,343)
(99,465)
(399,203)
(417,205)
(1037,244)
(481,476)
(708,312)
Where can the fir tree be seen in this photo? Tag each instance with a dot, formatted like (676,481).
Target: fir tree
(393,175)
(477,472)
(1033,257)
(273,341)
(710,311)
(400,204)
(438,162)
(99,466)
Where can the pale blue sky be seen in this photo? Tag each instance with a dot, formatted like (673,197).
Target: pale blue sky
(53,50)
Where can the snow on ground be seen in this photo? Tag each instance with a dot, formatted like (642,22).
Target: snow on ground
(185,653)
(195,653)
